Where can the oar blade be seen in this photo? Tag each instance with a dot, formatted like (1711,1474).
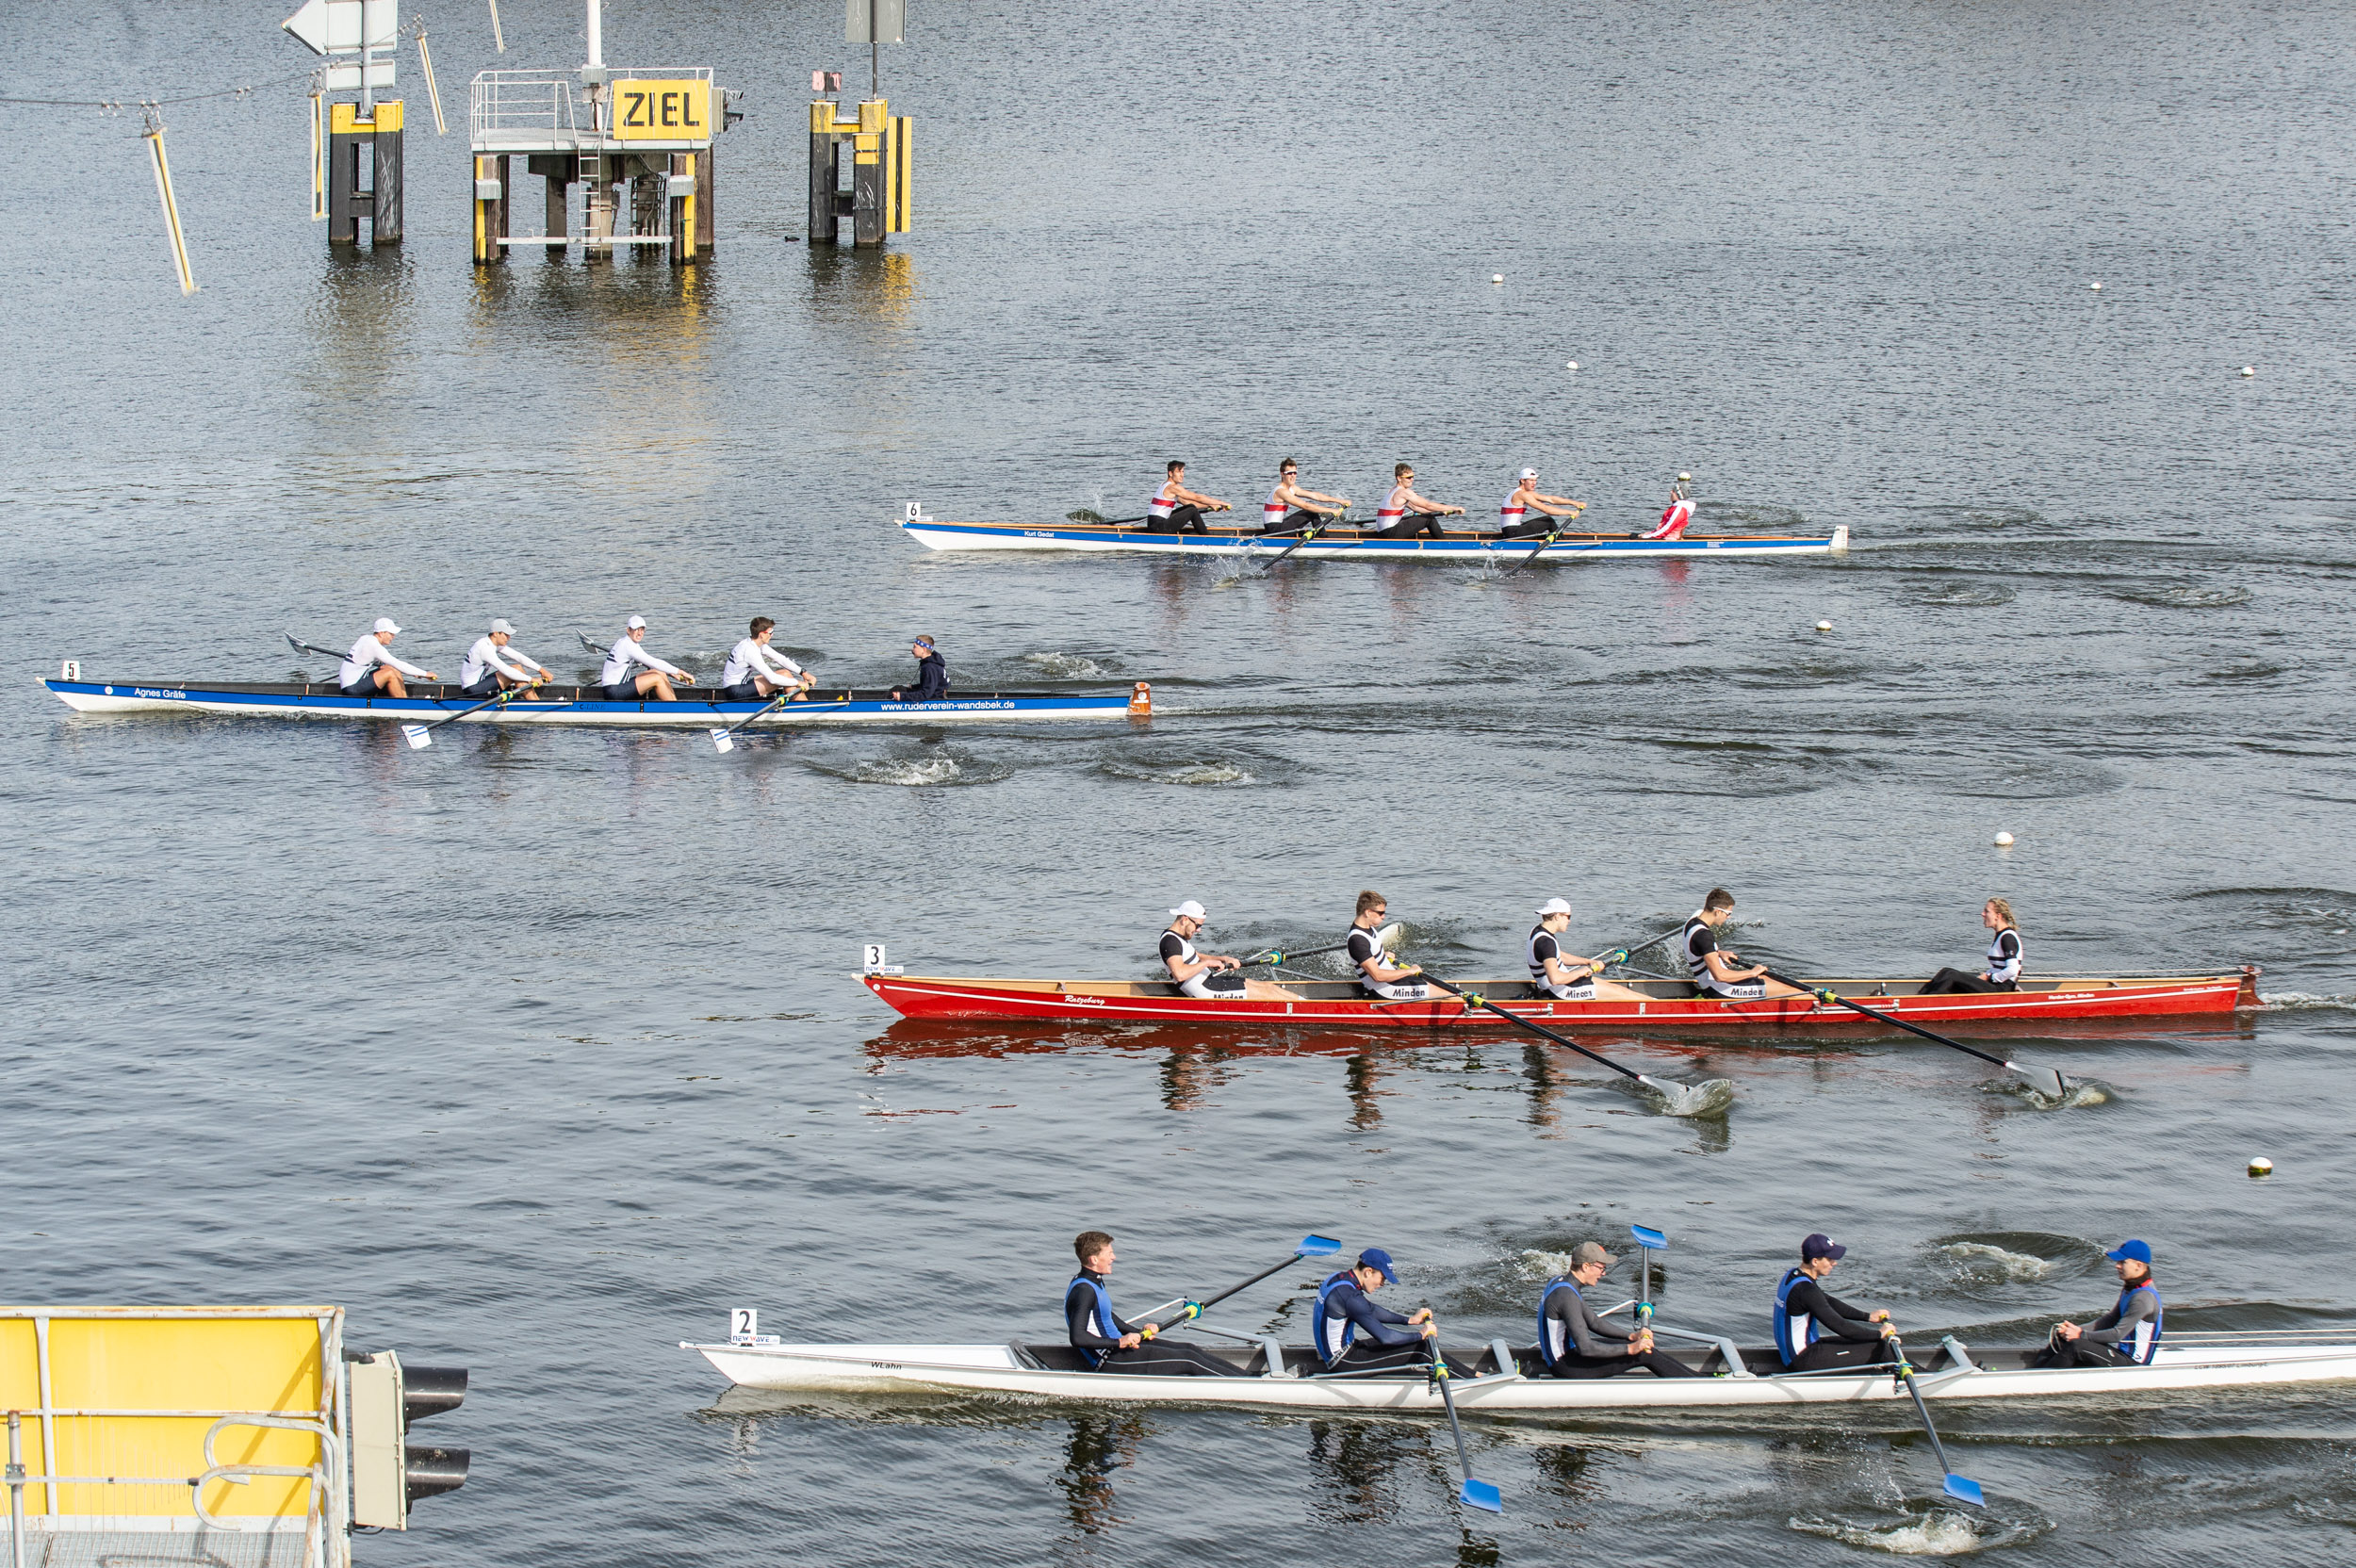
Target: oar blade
(1319,1247)
(419,739)
(1484,1494)
(1645,1236)
(722,741)
(2044,1079)
(1963,1489)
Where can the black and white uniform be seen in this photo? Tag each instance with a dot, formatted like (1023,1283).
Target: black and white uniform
(356,676)
(1541,947)
(1212,984)
(615,675)
(486,662)
(1700,941)
(1360,949)
(2003,970)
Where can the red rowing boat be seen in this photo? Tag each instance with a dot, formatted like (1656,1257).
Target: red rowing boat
(1632,1004)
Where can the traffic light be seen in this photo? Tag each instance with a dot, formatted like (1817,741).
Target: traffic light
(390,1472)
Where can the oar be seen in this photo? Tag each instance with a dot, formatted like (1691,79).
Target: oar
(597,648)
(2042,1079)
(1651,1241)
(1311,1247)
(1308,532)
(306,647)
(1090,515)
(421,735)
(1473,1494)
(1963,1489)
(1671,1092)
(1542,545)
(1386,936)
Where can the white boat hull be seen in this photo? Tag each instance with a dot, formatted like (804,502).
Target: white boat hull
(1462,552)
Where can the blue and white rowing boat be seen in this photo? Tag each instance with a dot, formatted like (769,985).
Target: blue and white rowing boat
(1456,548)
(568,705)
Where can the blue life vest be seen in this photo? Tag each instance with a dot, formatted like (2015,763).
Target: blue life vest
(1106,1324)
(1784,1321)
(1545,1341)
(1350,1328)
(2144,1350)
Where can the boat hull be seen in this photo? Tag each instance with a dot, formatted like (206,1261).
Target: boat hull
(1647,1005)
(317,701)
(999,1369)
(1462,549)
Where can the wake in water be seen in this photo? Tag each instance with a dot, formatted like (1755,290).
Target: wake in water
(1065,666)
(2076,1093)
(1933,1532)
(1710,1099)
(1985,1260)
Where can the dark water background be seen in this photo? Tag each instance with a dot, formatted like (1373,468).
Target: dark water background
(538,1052)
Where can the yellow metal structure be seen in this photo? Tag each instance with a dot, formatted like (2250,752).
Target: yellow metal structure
(344,119)
(674,110)
(882,170)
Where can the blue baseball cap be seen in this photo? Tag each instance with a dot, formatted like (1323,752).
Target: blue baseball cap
(1822,1246)
(2137,1251)
(1377,1259)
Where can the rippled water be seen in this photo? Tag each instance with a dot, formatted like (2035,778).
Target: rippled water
(537,1051)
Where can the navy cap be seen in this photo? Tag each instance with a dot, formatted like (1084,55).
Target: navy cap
(1822,1246)
(2140,1252)
(1375,1258)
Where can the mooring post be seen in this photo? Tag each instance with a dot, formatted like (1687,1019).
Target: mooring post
(490,206)
(384,200)
(824,175)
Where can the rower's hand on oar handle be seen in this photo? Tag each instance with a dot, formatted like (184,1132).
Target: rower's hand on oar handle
(1130,1342)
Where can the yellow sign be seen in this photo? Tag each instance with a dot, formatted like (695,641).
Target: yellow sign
(663,111)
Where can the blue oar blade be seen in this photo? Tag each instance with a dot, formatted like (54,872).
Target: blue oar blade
(1963,1489)
(1482,1495)
(1319,1247)
(1648,1237)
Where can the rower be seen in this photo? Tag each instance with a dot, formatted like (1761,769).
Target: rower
(1108,1343)
(1391,984)
(1346,1308)
(629,648)
(1573,1342)
(755,672)
(1513,513)
(1680,513)
(372,669)
(1404,515)
(932,674)
(493,667)
(1289,508)
(1175,509)
(1552,971)
(1211,976)
(2003,958)
(1720,972)
(1816,1330)
(2128,1335)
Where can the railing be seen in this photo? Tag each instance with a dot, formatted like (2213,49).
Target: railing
(531,103)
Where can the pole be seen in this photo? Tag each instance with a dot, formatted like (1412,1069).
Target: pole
(874,51)
(16,1489)
(596,33)
(369,10)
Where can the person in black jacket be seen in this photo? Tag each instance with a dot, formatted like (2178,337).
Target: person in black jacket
(1109,1343)
(932,674)
(1815,1329)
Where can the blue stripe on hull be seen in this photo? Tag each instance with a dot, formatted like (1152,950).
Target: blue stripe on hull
(954,536)
(131,697)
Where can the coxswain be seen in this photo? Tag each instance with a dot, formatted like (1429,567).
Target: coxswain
(1212,976)
(630,648)
(757,672)
(1513,513)
(1391,984)
(2128,1335)
(1109,1343)
(1816,1330)
(2003,958)
(1552,971)
(1346,1308)
(372,669)
(1404,515)
(1573,1342)
(1289,508)
(1175,509)
(493,667)
(1680,513)
(1720,972)
(932,674)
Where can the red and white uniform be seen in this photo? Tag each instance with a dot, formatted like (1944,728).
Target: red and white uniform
(1672,521)
(1271,510)
(1393,507)
(1159,507)
(1510,510)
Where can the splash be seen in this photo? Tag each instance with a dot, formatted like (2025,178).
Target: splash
(1935,1534)
(1536,1263)
(1711,1097)
(1065,666)
(2186,598)
(909,774)
(1981,1259)
(1185,772)
(2076,1093)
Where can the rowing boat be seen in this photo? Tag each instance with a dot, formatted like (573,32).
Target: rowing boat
(1458,548)
(1503,1378)
(1631,1003)
(579,704)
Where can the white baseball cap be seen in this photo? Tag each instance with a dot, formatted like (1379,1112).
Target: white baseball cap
(1553,906)
(636,623)
(1530,473)
(1190,910)
(384,623)
(502,628)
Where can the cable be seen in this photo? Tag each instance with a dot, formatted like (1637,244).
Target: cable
(115,105)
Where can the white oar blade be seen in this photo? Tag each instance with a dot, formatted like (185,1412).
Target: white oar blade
(2044,1079)
(1482,1495)
(419,739)
(722,741)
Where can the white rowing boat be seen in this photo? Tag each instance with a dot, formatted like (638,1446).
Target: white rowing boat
(1504,1380)
(1460,548)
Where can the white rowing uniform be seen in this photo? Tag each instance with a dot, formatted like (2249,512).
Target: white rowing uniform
(1699,942)
(1211,984)
(1393,509)
(1361,948)
(2004,958)
(487,656)
(1162,505)
(1273,510)
(628,651)
(1541,947)
(751,657)
(365,655)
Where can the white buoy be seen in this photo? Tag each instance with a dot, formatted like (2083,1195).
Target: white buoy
(2261,1166)
(2003,840)
(1823,626)
(2249,369)
(1497,277)
(2096,286)
(1572,366)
